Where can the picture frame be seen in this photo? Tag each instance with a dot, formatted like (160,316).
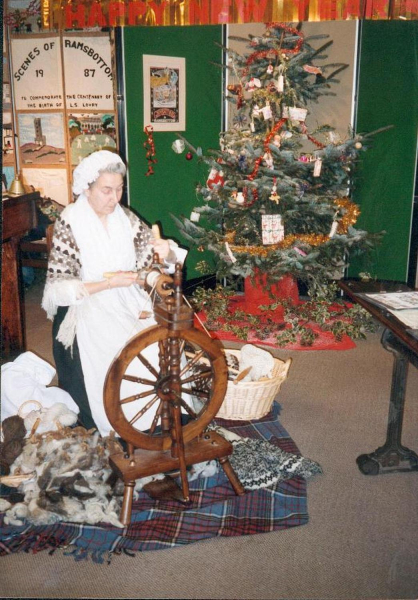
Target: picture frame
(164,80)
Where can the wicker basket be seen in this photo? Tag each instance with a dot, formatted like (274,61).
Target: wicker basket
(249,400)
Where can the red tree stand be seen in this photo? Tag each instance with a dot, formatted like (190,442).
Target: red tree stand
(256,294)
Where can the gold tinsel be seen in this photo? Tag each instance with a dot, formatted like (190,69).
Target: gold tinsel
(350,216)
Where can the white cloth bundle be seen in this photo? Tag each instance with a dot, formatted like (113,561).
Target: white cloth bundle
(260,361)
(25,379)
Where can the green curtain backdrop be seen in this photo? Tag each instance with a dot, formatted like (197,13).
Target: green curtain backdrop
(172,188)
(388,95)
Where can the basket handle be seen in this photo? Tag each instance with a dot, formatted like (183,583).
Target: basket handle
(19,412)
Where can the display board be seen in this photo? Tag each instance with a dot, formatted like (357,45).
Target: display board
(64,105)
(387,96)
(172,187)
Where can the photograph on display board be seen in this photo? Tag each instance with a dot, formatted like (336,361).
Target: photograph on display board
(89,132)
(41,138)
(7,98)
(51,183)
(8,140)
(6,70)
(164,92)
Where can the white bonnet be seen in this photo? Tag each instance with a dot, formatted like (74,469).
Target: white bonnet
(89,169)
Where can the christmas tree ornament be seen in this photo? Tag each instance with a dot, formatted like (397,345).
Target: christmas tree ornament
(189,156)
(285,111)
(229,252)
(277,140)
(272,229)
(297,114)
(274,197)
(215,178)
(268,159)
(334,228)
(252,126)
(253,84)
(358,145)
(178,146)
(150,149)
(239,199)
(256,110)
(270,69)
(312,69)
(317,167)
(194,216)
(333,137)
(266,110)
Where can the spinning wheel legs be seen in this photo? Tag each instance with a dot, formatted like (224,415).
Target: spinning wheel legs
(143,463)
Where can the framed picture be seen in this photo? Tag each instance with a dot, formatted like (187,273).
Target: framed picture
(88,132)
(41,139)
(164,92)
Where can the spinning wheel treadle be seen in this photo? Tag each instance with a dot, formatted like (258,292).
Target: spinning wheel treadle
(191,378)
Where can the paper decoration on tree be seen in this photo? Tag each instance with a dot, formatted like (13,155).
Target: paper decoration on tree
(215,178)
(297,114)
(272,229)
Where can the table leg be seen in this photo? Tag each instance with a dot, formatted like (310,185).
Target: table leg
(392,456)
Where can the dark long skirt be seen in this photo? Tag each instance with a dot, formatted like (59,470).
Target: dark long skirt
(70,371)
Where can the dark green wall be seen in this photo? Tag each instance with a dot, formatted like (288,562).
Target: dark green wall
(172,187)
(387,95)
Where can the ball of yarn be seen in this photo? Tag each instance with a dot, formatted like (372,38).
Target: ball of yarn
(11,450)
(13,428)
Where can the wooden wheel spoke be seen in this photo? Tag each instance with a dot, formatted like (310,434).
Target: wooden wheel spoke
(192,362)
(137,397)
(186,407)
(148,365)
(196,392)
(139,380)
(200,375)
(143,410)
(155,419)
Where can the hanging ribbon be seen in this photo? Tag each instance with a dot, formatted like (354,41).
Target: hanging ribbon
(150,148)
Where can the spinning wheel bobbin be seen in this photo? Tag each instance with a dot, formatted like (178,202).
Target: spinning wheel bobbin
(192,365)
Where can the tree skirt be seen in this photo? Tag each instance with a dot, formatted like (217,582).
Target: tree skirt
(324,341)
(214,511)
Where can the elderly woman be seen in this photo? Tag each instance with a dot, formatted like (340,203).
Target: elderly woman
(94,316)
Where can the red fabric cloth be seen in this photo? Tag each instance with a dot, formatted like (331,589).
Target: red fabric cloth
(324,341)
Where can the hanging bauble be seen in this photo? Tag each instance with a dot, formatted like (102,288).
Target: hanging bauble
(270,69)
(358,145)
(178,146)
(189,156)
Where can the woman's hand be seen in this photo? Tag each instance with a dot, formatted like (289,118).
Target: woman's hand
(122,279)
(162,248)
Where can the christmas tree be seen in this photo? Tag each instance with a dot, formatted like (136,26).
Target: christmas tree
(277,198)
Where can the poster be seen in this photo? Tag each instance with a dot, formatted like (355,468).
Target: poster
(8,140)
(89,132)
(164,92)
(51,183)
(88,73)
(41,139)
(37,73)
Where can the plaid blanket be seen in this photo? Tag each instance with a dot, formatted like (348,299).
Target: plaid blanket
(214,511)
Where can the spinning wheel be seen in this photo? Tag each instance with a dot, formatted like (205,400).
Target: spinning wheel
(189,381)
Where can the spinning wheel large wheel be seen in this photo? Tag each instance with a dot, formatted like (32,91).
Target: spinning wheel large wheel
(192,372)
(169,369)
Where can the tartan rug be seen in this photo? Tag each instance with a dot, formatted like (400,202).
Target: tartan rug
(214,511)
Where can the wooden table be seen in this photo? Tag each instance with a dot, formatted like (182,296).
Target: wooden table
(19,216)
(402,342)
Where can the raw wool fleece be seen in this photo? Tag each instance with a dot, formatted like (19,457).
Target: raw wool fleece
(70,480)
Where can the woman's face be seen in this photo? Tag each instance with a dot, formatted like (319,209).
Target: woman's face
(105,193)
